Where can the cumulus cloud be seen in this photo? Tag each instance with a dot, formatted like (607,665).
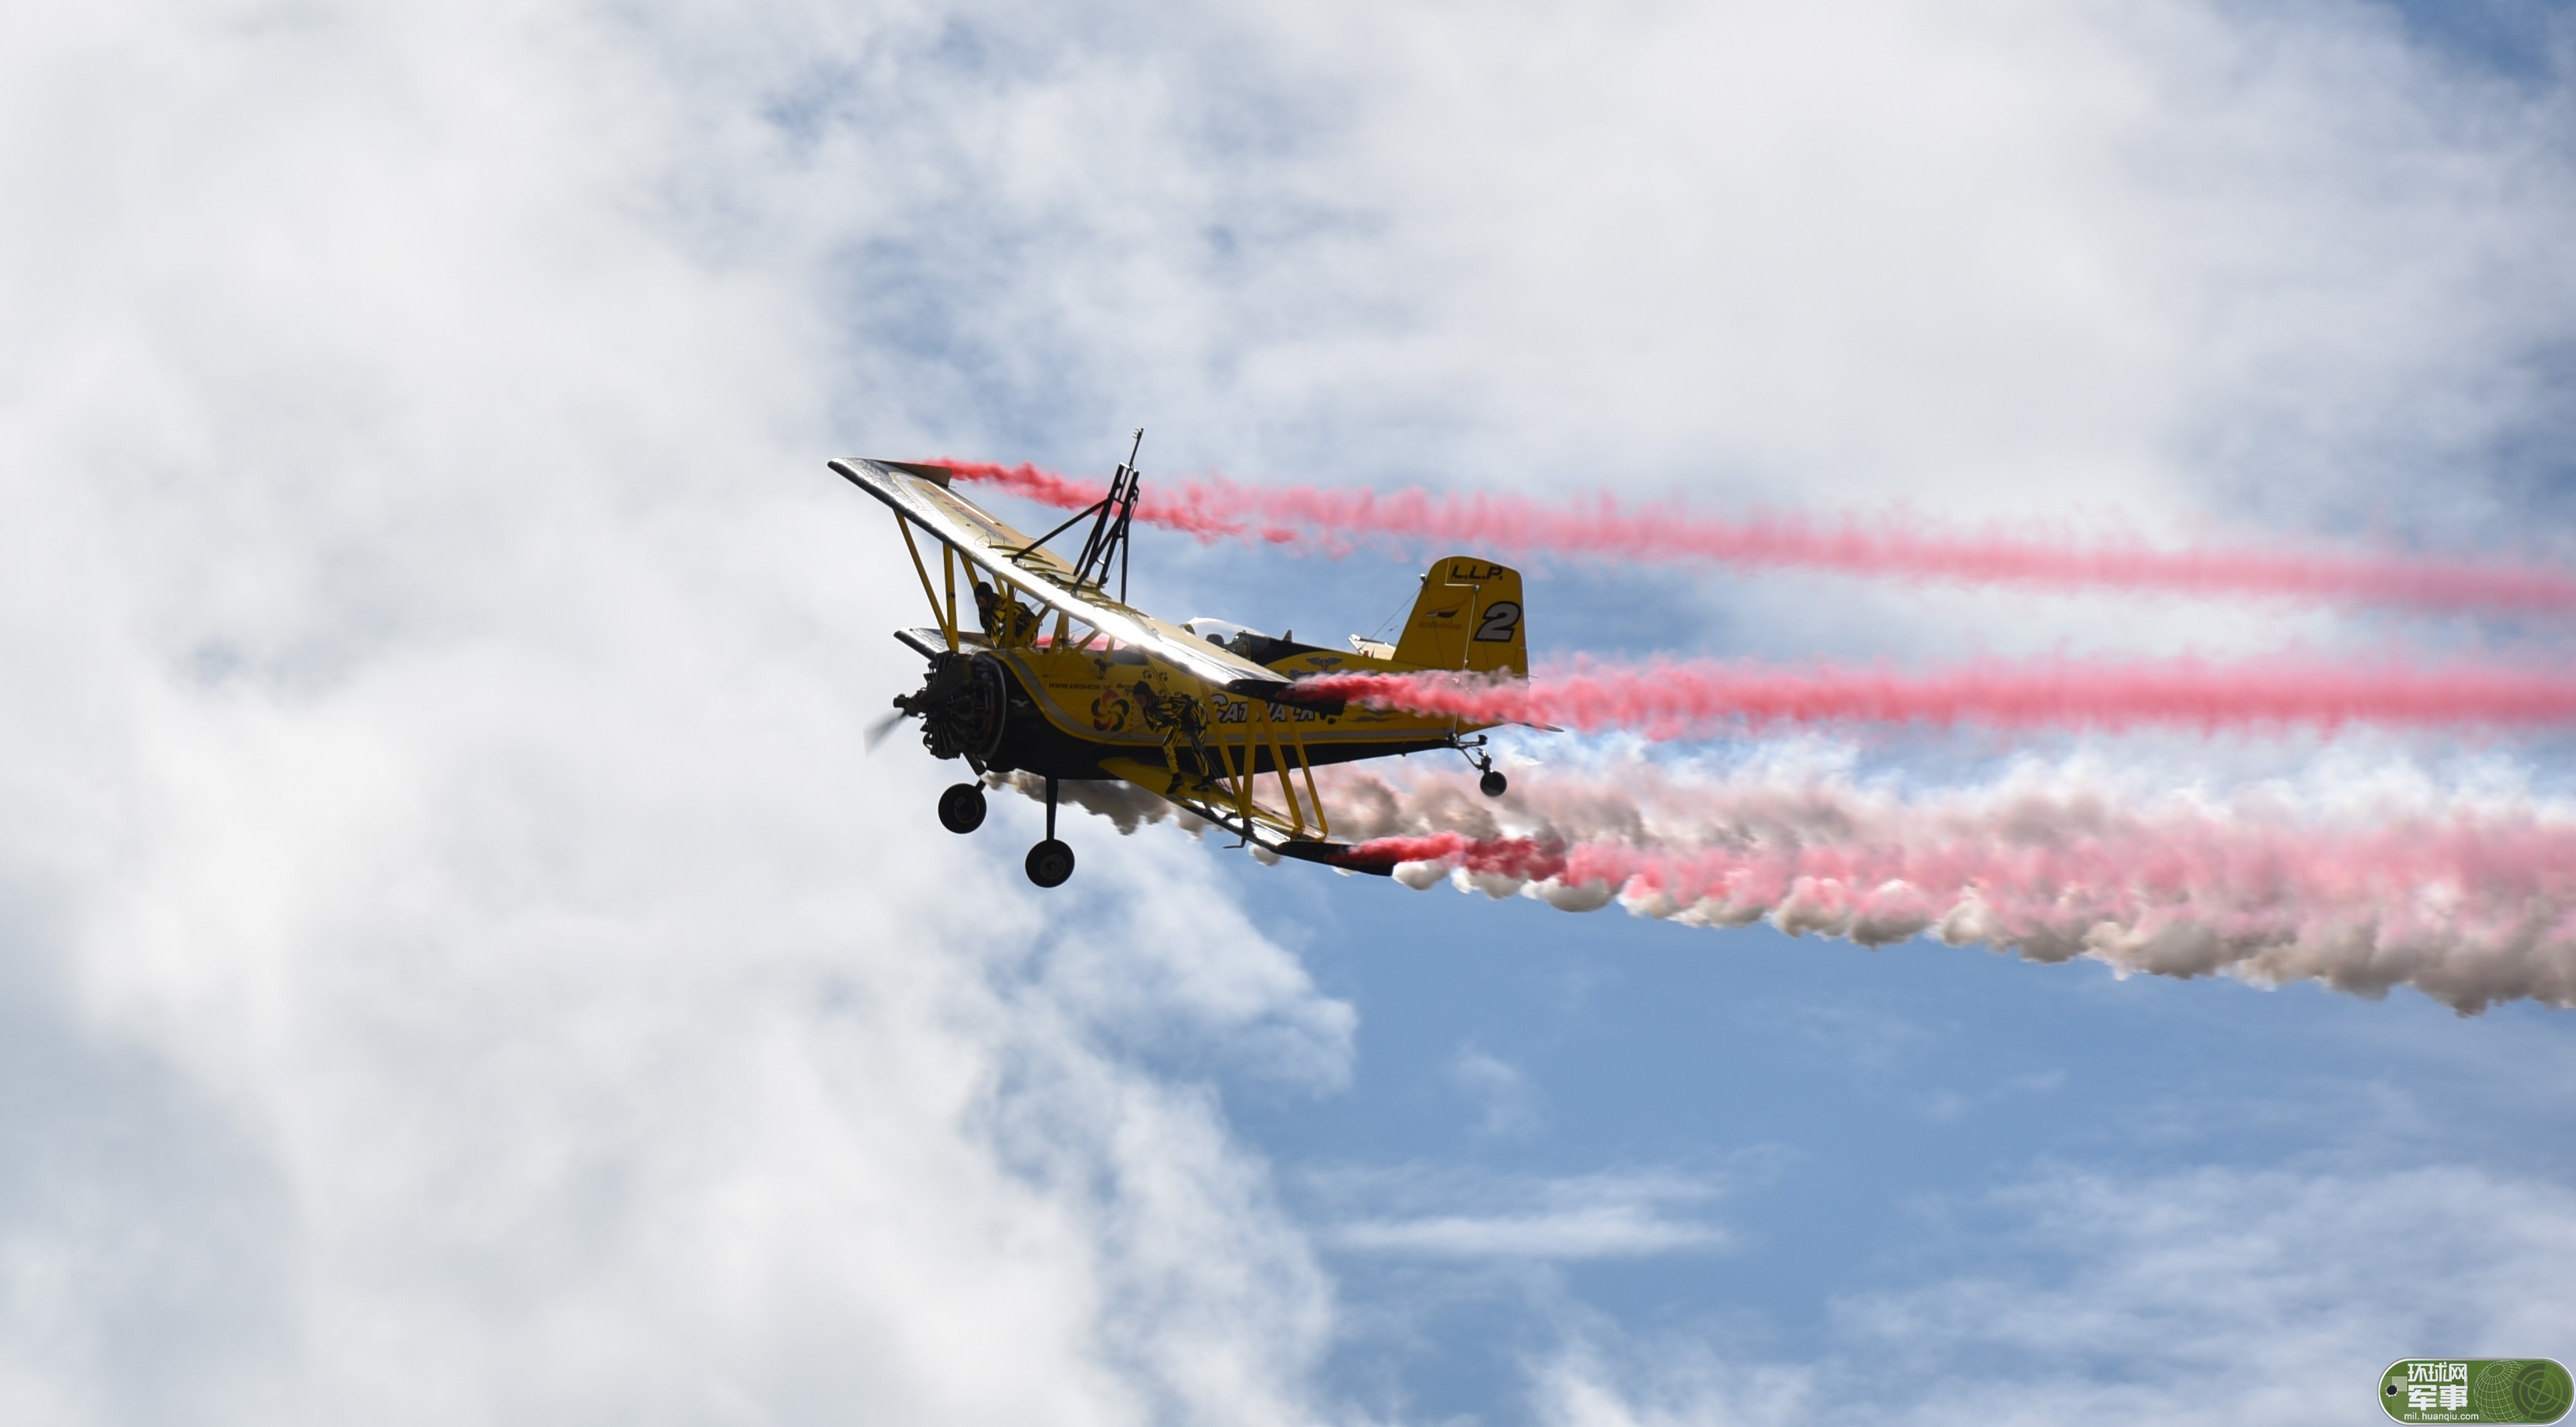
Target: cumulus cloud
(480,979)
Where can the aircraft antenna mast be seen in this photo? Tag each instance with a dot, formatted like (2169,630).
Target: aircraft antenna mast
(1117,511)
(1110,517)
(1126,514)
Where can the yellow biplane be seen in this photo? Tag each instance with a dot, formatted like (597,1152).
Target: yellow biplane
(1035,667)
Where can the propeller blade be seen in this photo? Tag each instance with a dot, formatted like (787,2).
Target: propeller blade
(877,731)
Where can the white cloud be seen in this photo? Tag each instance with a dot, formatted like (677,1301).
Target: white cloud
(1511,1107)
(2181,268)
(484,981)
(1418,1212)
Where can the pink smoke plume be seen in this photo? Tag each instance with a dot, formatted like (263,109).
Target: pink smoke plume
(2380,882)
(1669,699)
(2472,905)
(1336,520)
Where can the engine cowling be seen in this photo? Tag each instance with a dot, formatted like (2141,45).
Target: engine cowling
(963,706)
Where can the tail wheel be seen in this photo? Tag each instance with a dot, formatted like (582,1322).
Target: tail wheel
(1493,783)
(1050,862)
(961,808)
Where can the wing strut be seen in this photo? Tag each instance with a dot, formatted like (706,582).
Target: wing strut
(948,564)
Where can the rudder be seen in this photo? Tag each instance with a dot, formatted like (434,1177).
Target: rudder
(1468,617)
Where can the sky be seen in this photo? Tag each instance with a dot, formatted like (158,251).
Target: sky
(458,962)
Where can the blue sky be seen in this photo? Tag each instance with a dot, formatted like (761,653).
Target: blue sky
(459,964)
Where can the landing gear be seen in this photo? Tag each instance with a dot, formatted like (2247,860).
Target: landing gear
(961,808)
(1493,784)
(1050,862)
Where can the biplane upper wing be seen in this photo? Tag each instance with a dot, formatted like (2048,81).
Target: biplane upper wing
(919,493)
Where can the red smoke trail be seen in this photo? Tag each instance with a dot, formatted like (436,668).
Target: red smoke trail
(1670,700)
(1336,519)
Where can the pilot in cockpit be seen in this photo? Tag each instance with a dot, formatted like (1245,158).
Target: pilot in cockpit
(992,611)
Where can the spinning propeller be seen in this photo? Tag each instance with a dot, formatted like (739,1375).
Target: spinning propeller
(882,725)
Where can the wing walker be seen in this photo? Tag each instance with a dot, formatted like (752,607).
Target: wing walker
(1035,667)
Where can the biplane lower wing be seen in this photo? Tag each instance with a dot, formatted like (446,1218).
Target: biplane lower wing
(1231,808)
(1335,854)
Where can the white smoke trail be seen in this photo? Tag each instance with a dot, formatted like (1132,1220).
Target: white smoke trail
(1126,806)
(2362,876)
(2362,883)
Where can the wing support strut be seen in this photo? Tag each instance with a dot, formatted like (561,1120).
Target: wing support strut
(947,616)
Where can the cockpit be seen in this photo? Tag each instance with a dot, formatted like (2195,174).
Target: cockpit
(1246,641)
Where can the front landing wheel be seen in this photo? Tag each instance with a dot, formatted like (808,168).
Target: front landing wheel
(961,808)
(1050,862)
(1493,783)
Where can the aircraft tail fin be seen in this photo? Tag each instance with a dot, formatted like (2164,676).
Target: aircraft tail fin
(1468,617)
